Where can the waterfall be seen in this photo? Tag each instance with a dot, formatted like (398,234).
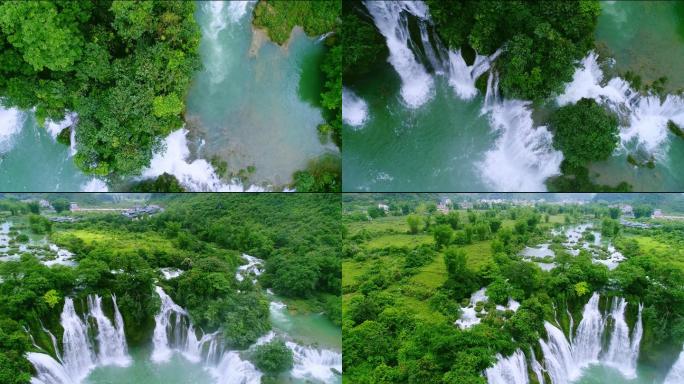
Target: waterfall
(79,354)
(646,117)
(588,340)
(354,108)
(312,363)
(571,331)
(523,156)
(233,370)
(508,370)
(469,314)
(48,370)
(163,326)
(391,19)
(676,374)
(536,367)
(79,357)
(463,77)
(558,356)
(54,342)
(111,342)
(622,352)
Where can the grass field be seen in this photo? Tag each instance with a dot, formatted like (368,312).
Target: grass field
(669,253)
(408,293)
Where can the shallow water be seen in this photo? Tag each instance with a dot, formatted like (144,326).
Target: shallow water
(32,160)
(254,104)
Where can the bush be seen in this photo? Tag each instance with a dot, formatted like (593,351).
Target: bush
(273,357)
(584,132)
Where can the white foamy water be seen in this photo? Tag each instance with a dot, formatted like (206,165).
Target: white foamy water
(94,185)
(558,357)
(313,363)
(644,118)
(469,314)
(676,374)
(11,121)
(391,19)
(587,344)
(462,77)
(354,109)
(254,266)
(196,175)
(508,370)
(523,157)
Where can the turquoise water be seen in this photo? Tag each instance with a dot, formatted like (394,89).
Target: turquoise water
(252,104)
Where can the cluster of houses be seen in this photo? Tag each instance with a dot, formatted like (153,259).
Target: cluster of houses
(134,213)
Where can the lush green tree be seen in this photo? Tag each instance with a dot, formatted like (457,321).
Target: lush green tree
(92,58)
(443,234)
(413,222)
(530,31)
(273,357)
(584,132)
(60,205)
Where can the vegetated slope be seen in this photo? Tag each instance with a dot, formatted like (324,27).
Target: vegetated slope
(405,283)
(203,235)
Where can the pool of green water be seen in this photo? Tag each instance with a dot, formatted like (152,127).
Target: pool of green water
(255,103)
(600,374)
(432,148)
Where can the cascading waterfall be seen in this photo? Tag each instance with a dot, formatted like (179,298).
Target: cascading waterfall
(312,363)
(587,344)
(572,324)
(558,357)
(622,351)
(676,374)
(197,175)
(254,267)
(646,117)
(508,370)
(48,370)
(164,326)
(392,21)
(79,357)
(523,156)
(536,367)
(54,342)
(173,331)
(81,353)
(111,341)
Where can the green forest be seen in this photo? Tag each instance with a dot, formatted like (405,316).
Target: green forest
(202,236)
(411,263)
(94,57)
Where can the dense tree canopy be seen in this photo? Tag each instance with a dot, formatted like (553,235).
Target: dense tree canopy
(123,67)
(584,132)
(541,39)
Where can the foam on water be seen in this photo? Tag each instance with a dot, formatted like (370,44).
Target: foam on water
(313,363)
(196,175)
(391,18)
(354,109)
(95,185)
(11,121)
